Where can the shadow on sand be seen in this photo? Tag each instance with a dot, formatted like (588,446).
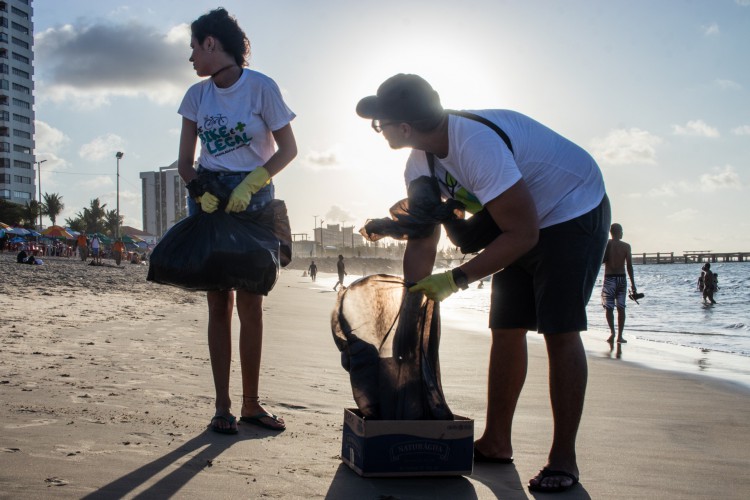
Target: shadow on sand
(204,448)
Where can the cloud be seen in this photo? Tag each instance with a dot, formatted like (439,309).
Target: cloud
(743,3)
(91,62)
(664,191)
(742,129)
(48,139)
(626,146)
(323,160)
(695,128)
(102,147)
(338,214)
(720,179)
(711,29)
(724,84)
(686,215)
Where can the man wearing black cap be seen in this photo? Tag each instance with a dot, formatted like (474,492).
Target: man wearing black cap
(547,197)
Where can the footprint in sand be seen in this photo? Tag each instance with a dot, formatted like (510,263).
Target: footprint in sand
(32,423)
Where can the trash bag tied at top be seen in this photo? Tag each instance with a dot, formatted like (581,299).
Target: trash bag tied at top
(389,339)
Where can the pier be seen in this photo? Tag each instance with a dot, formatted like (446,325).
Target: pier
(690,256)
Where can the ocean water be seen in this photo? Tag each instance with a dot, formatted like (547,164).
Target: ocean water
(670,328)
(672,311)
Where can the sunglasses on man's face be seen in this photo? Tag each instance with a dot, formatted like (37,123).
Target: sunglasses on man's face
(378,125)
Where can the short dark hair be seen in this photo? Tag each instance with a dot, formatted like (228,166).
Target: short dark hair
(220,25)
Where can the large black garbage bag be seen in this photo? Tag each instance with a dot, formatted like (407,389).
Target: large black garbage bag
(389,341)
(416,216)
(217,251)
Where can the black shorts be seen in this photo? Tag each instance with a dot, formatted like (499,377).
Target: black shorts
(548,288)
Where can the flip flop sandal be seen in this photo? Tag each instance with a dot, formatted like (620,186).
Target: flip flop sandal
(257,420)
(229,419)
(552,489)
(481,457)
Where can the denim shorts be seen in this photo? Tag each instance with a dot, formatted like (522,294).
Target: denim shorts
(232,180)
(548,288)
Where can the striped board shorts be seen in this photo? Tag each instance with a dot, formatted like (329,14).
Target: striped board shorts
(614,290)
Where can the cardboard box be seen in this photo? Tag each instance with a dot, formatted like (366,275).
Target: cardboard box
(392,448)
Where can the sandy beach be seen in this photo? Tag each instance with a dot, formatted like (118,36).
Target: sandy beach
(107,391)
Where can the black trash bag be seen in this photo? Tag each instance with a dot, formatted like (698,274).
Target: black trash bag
(416,216)
(217,251)
(389,341)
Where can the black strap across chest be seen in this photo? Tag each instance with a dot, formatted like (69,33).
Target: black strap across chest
(476,118)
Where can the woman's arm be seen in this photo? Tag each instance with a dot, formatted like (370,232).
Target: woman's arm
(286,150)
(186,155)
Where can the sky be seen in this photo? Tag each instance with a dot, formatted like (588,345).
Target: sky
(657,92)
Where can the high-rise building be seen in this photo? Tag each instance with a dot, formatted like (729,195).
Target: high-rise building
(17,174)
(164,199)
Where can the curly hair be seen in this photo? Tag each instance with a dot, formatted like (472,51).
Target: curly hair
(220,25)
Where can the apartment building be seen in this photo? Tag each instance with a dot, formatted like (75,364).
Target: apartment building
(17,161)
(164,199)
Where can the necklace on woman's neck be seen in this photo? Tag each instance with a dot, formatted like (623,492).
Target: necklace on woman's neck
(222,70)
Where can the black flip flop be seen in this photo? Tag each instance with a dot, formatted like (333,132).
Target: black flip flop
(544,473)
(230,419)
(256,420)
(481,457)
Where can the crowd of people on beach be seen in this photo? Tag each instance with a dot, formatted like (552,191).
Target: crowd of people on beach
(83,246)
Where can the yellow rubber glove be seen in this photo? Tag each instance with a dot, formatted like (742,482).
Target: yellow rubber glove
(436,286)
(251,184)
(209,203)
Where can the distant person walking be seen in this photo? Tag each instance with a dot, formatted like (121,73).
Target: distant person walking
(83,245)
(341,268)
(617,258)
(313,270)
(707,283)
(118,250)
(95,249)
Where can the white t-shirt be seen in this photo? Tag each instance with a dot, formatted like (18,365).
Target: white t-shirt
(235,124)
(564,180)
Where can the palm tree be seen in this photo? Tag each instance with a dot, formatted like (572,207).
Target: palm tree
(111,222)
(30,213)
(52,207)
(11,213)
(91,219)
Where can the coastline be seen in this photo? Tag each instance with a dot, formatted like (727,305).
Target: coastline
(107,392)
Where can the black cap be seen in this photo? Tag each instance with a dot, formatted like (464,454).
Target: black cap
(402,97)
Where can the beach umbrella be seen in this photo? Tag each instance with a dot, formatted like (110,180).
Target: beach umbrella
(57,232)
(127,238)
(18,231)
(18,239)
(33,233)
(3,225)
(103,238)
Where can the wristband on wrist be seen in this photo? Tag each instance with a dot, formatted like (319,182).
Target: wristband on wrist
(460,278)
(195,188)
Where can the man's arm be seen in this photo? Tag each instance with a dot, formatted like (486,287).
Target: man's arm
(419,256)
(629,266)
(515,214)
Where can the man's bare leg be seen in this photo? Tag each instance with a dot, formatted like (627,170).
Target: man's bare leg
(507,374)
(620,325)
(610,315)
(568,374)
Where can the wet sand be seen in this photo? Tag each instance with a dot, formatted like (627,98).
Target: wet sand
(106,388)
